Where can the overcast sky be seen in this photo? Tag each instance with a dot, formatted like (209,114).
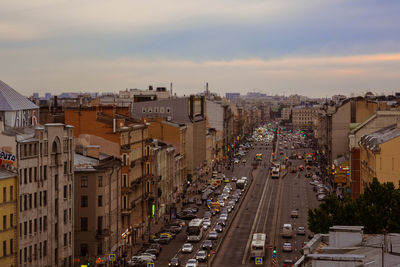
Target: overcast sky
(310,47)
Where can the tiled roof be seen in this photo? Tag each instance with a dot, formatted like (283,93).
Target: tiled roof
(12,100)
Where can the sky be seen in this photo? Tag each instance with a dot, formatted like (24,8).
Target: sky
(310,47)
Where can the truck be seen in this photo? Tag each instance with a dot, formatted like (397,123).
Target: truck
(258,245)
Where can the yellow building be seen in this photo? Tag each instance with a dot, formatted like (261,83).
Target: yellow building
(380,156)
(8,217)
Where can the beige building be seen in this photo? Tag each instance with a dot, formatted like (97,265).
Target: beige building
(380,119)
(97,224)
(303,116)
(285,113)
(380,157)
(45,166)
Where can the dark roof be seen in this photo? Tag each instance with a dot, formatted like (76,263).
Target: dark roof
(12,100)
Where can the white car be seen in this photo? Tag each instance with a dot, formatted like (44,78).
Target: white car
(287,247)
(192,263)
(244,161)
(148,255)
(187,248)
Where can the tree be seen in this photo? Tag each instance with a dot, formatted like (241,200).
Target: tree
(378,210)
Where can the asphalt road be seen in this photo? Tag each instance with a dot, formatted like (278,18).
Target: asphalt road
(173,249)
(266,207)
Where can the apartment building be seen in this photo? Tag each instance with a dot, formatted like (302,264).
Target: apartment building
(303,116)
(379,156)
(45,167)
(285,113)
(125,138)
(8,213)
(97,207)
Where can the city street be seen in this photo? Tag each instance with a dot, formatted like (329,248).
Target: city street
(266,207)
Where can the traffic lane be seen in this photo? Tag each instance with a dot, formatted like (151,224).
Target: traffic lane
(234,245)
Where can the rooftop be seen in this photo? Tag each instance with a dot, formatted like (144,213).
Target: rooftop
(373,140)
(4,174)
(12,100)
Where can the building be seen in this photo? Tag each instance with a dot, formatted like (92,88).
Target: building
(380,119)
(303,116)
(188,111)
(121,136)
(285,113)
(97,206)
(45,167)
(379,156)
(9,213)
(348,246)
(232,96)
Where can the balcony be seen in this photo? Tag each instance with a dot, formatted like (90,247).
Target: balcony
(102,233)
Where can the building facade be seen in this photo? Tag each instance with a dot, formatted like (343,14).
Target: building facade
(9,213)
(45,167)
(97,219)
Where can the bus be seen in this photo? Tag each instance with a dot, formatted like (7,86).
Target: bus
(275,173)
(194,230)
(259,157)
(258,245)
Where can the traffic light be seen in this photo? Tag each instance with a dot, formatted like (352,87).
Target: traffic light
(274,253)
(153,210)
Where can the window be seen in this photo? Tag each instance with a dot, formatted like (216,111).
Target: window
(25,253)
(40,224)
(168,109)
(45,172)
(100,249)
(30,227)
(11,220)
(84,224)
(155,109)
(100,201)
(65,216)
(25,228)
(70,214)
(30,201)
(40,198)
(70,190)
(124,180)
(25,175)
(65,240)
(100,181)
(124,202)
(44,223)
(124,161)
(100,223)
(20,203)
(45,198)
(11,246)
(35,252)
(84,249)
(143,110)
(40,250)
(30,254)
(35,226)
(4,248)
(35,174)
(30,175)
(84,181)
(25,202)
(65,167)
(35,199)
(84,201)
(4,194)
(161,109)
(65,192)
(4,222)
(45,248)
(20,229)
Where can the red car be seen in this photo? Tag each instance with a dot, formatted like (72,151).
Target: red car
(301,168)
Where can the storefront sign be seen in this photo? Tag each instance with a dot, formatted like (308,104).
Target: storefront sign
(7,158)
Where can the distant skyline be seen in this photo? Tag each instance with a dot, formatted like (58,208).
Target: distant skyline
(316,48)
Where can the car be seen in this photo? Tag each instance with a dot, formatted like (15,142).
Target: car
(218,228)
(178,222)
(293,170)
(207,244)
(244,161)
(287,247)
(301,168)
(202,256)
(174,229)
(207,215)
(153,251)
(156,246)
(170,235)
(229,207)
(236,161)
(294,214)
(321,197)
(301,230)
(234,179)
(149,255)
(221,222)
(221,203)
(186,215)
(308,167)
(192,263)
(187,248)
(308,175)
(225,196)
(175,262)
(287,263)
(213,235)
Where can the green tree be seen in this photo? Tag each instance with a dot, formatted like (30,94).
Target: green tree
(378,210)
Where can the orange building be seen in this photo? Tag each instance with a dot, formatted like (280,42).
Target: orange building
(114,125)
